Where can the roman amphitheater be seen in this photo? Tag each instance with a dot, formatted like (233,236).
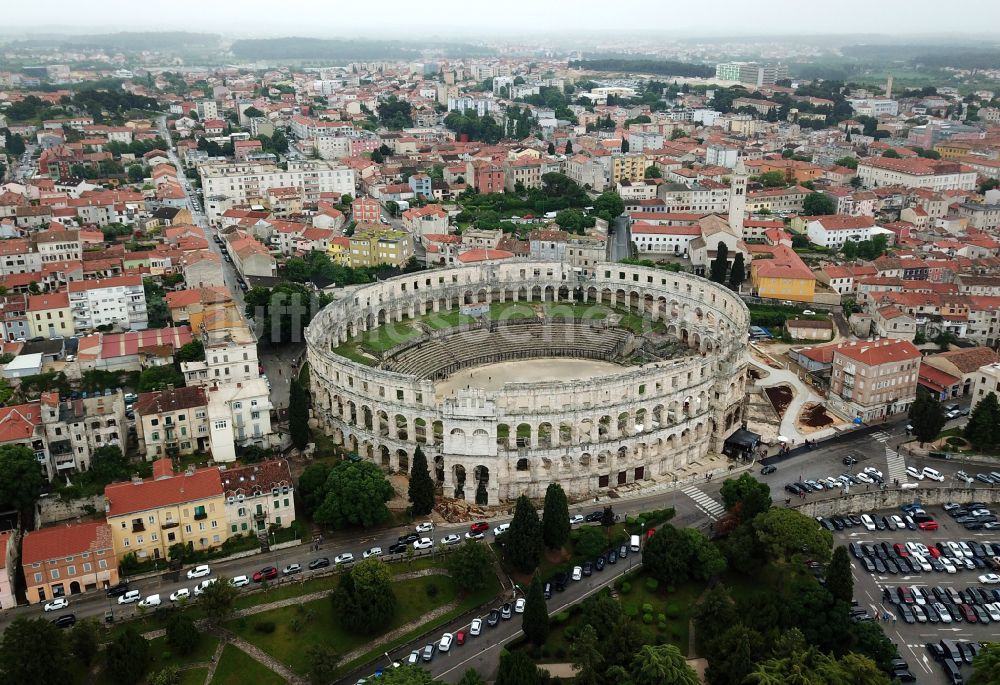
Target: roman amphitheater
(513,375)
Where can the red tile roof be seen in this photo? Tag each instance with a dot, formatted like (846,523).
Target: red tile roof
(880,352)
(262,476)
(125,498)
(170,400)
(59,542)
(19,422)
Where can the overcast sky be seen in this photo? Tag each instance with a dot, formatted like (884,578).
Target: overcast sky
(339,18)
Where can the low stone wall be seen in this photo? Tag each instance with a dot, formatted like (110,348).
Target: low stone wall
(893,498)
(53,509)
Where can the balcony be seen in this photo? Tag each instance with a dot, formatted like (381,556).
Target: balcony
(169,524)
(200,516)
(138,527)
(259,516)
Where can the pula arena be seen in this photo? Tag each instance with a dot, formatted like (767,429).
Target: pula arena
(638,423)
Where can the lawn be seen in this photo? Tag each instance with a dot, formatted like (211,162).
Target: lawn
(349,350)
(388,336)
(193,676)
(508,311)
(236,668)
(163,656)
(318,624)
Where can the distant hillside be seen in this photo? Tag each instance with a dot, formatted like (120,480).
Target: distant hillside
(662,67)
(150,40)
(368,50)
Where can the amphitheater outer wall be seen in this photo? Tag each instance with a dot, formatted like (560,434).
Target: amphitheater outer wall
(642,423)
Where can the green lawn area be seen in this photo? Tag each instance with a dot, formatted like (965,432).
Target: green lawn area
(445,319)
(236,668)
(164,656)
(349,350)
(388,336)
(508,311)
(194,676)
(675,606)
(319,625)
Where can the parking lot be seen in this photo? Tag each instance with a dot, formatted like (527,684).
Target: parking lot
(942,607)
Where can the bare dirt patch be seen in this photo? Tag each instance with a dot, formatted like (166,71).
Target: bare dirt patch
(815,416)
(780,396)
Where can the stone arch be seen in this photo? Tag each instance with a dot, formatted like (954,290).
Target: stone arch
(586,431)
(383,423)
(604,427)
(522,464)
(458,478)
(352,443)
(482,476)
(384,457)
(403,460)
(536,293)
(565,433)
(420,430)
(603,458)
(503,435)
(642,420)
(383,317)
(483,295)
(585,460)
(549,293)
(366,413)
(524,435)
(480,441)
(74,587)
(545,434)
(401,425)
(621,298)
(438,430)
(439,468)
(467,297)
(623,420)
(458,440)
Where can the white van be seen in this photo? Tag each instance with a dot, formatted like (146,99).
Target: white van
(150,601)
(933,474)
(634,546)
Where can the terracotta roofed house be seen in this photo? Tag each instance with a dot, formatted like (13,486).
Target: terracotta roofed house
(67,560)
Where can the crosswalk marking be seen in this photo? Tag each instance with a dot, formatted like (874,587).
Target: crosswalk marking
(881,436)
(705,504)
(895,466)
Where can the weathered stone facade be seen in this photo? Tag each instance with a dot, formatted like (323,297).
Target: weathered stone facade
(588,435)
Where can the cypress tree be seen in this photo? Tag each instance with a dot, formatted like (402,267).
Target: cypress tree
(523,540)
(535,623)
(421,489)
(555,517)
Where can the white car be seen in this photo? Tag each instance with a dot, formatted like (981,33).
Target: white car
(575,519)
(426,527)
(948,566)
(183,593)
(57,604)
(414,658)
(151,601)
(451,539)
(964,477)
(577,573)
(519,605)
(291,569)
(868,522)
(373,552)
(864,477)
(475,536)
(476,627)
(501,529)
(933,474)
(203,585)
(240,581)
(872,471)
(989,578)
(898,522)
(914,473)
(345,558)
(942,612)
(129,597)
(966,550)
(922,562)
(199,572)
(423,543)
(445,644)
(808,312)
(993,609)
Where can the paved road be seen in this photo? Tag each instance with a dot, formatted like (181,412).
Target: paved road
(620,242)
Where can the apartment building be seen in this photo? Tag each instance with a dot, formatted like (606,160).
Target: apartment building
(375,245)
(67,560)
(366,210)
(751,73)
(835,230)
(8,568)
(147,516)
(230,355)
(76,428)
(227,184)
(18,257)
(58,245)
(707,197)
(258,497)
(250,257)
(873,380)
(629,167)
(916,173)
(117,301)
(525,172)
(50,316)
(172,422)
(239,415)
(421,221)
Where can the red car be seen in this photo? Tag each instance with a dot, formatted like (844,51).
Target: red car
(935,552)
(269,573)
(928,525)
(479,527)
(460,637)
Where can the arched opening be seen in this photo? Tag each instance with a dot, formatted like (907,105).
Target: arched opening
(604,427)
(420,430)
(366,413)
(482,476)
(74,587)
(383,424)
(640,421)
(623,423)
(439,468)
(458,478)
(438,429)
(384,457)
(545,435)
(503,435)
(401,431)
(403,459)
(565,433)
(586,431)
(522,464)
(523,435)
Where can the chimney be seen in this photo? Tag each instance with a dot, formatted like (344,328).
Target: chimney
(136,479)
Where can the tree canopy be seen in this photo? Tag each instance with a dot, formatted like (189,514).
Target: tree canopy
(818,204)
(745,496)
(298,413)
(555,517)
(785,533)
(983,428)
(471,566)
(364,600)
(927,417)
(523,540)
(421,488)
(676,555)
(21,479)
(356,493)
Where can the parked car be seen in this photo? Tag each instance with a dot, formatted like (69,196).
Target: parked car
(475,536)
(322,562)
(414,658)
(423,543)
(577,573)
(594,517)
(151,601)
(178,595)
(129,597)
(451,539)
(767,470)
(575,519)
(501,529)
(479,527)
(117,590)
(199,572)
(65,621)
(506,611)
(428,652)
(345,558)
(519,605)
(291,569)
(398,548)
(408,538)
(426,527)
(266,573)
(476,627)
(445,643)
(493,618)
(240,581)
(372,552)
(56,604)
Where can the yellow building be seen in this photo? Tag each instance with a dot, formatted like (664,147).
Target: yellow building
(629,168)
(148,516)
(783,277)
(952,150)
(50,316)
(374,245)
(339,250)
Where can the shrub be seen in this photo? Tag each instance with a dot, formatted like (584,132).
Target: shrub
(652,584)
(264,626)
(661,618)
(671,589)
(295,625)
(432,590)
(631,610)
(560,652)
(626,588)
(647,619)
(661,625)
(562,617)
(546,652)
(673,611)
(647,608)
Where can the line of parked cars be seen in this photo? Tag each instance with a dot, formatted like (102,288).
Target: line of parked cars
(922,604)
(951,654)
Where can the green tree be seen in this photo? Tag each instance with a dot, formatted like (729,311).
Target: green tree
(944,340)
(517,668)
(571,220)
(818,204)
(406,675)
(135,173)
(298,413)
(34,651)
(587,657)
(323,660)
(839,579)
(609,205)
(588,542)
(849,162)
(21,478)
(169,675)
(551,148)
(676,555)
(927,417)
(738,272)
(158,378)
(983,428)
(745,496)
(421,489)
(891,154)
(182,635)
(652,172)
(471,677)
(986,665)
(471,566)
(311,490)
(735,651)
(849,250)
(108,464)
(193,351)
(127,657)
(772,179)
(569,147)
(719,266)
(217,600)
(555,517)
(364,599)
(868,638)
(523,540)
(783,533)
(535,622)
(356,493)
(662,665)
(84,641)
